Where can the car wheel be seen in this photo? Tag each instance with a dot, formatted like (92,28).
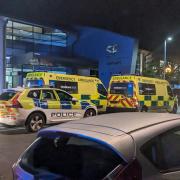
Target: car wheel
(175,108)
(144,109)
(35,122)
(90,112)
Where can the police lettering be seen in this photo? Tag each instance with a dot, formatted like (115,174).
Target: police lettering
(63,114)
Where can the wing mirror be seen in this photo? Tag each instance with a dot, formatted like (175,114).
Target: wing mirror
(74,100)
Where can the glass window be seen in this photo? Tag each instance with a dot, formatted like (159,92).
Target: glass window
(68,157)
(102,90)
(9,24)
(35,94)
(150,150)
(147,89)
(38,29)
(8,31)
(7,96)
(28,44)
(64,96)
(35,83)
(122,88)
(170,92)
(48,95)
(163,151)
(22,26)
(70,87)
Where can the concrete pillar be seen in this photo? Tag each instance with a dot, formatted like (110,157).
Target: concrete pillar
(3,22)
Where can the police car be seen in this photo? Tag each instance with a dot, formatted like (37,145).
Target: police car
(35,107)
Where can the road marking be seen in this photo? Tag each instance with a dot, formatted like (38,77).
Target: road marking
(3,128)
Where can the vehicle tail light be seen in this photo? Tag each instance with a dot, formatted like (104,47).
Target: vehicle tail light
(15,102)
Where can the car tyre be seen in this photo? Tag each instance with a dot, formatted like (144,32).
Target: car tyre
(144,109)
(35,122)
(90,112)
(175,109)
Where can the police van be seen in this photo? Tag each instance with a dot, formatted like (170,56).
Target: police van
(90,89)
(35,107)
(140,93)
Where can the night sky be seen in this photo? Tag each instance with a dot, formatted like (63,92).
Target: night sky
(150,21)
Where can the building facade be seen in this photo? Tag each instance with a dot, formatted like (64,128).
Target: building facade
(27,47)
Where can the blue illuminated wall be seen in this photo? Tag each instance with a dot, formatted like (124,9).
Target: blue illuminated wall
(116,54)
(85,48)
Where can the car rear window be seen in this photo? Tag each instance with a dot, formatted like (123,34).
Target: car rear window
(7,95)
(70,158)
(122,88)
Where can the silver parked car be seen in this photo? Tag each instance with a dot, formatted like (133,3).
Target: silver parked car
(128,146)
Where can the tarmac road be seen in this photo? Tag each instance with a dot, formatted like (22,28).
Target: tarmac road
(12,143)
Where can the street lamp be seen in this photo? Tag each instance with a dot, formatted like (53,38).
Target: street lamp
(168,39)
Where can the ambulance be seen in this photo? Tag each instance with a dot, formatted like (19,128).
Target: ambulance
(90,89)
(139,93)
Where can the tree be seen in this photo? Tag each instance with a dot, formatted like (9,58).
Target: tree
(155,69)
(174,75)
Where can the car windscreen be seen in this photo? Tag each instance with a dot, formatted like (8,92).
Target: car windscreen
(69,158)
(34,83)
(122,88)
(7,95)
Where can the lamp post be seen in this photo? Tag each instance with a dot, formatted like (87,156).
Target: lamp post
(168,39)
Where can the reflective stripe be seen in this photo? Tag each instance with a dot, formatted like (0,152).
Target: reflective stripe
(84,105)
(115,98)
(128,102)
(122,102)
(65,105)
(110,97)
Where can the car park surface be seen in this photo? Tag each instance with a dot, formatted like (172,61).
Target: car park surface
(134,139)
(13,141)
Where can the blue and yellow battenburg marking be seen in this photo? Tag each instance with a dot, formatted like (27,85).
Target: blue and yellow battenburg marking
(61,104)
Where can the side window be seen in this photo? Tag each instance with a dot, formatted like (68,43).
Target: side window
(64,96)
(170,144)
(142,89)
(151,89)
(48,95)
(150,150)
(147,89)
(34,94)
(163,151)
(169,90)
(102,90)
(70,87)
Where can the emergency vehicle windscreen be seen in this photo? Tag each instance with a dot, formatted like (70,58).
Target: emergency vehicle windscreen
(34,83)
(125,89)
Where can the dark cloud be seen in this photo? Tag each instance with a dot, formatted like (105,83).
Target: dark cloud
(148,20)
